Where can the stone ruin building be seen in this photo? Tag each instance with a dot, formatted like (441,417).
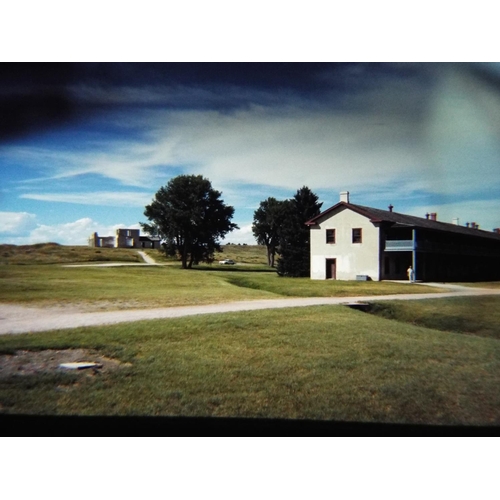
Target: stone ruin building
(125,238)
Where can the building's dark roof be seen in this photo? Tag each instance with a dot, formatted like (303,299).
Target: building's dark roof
(377,215)
(149,238)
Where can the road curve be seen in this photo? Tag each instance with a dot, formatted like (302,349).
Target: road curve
(15,319)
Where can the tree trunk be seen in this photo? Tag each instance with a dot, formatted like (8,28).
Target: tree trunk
(184,256)
(270,256)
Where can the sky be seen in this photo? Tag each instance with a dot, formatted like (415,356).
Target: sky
(84,147)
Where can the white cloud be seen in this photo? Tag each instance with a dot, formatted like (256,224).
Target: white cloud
(78,232)
(102,198)
(17,222)
(242,235)
(70,233)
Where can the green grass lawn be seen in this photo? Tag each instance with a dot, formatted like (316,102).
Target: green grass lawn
(118,287)
(305,287)
(166,286)
(326,362)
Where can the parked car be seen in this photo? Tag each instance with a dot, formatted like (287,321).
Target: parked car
(227,261)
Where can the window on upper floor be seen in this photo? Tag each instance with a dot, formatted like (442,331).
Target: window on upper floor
(356,235)
(330,235)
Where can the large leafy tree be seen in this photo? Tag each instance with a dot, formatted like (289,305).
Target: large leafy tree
(294,247)
(267,220)
(191,218)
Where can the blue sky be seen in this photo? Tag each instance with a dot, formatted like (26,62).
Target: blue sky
(84,147)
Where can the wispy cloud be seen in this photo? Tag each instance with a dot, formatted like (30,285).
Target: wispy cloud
(103,198)
(178,96)
(127,162)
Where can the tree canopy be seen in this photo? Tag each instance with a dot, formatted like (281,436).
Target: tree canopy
(294,248)
(280,226)
(190,217)
(267,220)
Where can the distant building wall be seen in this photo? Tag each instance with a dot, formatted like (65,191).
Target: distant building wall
(127,238)
(150,242)
(106,241)
(101,241)
(94,240)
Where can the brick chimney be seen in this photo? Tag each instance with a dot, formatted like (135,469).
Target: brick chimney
(433,216)
(497,230)
(344,196)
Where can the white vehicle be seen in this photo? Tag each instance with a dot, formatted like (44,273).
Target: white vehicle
(227,261)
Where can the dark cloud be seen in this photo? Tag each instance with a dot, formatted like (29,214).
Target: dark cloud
(39,96)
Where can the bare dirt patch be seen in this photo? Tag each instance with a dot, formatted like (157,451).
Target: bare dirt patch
(47,361)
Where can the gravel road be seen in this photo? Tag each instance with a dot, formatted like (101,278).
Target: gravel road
(16,319)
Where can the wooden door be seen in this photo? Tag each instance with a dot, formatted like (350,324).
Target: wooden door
(331,269)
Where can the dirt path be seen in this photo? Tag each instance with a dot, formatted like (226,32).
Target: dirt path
(147,259)
(19,319)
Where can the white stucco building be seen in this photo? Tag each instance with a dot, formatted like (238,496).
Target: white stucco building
(350,242)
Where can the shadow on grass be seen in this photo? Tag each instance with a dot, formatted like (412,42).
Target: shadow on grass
(467,317)
(229,269)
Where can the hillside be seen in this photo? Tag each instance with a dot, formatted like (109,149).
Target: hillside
(53,253)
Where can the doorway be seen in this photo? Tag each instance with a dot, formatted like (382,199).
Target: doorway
(331,269)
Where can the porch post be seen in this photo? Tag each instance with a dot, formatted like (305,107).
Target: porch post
(414,253)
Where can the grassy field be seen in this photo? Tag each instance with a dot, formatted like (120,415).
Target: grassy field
(432,362)
(109,288)
(313,363)
(249,254)
(38,281)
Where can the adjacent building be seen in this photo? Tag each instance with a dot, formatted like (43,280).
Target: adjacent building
(125,238)
(350,242)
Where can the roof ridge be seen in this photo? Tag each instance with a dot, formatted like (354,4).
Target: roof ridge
(380,215)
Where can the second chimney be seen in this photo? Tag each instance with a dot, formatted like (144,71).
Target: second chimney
(344,196)
(433,216)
